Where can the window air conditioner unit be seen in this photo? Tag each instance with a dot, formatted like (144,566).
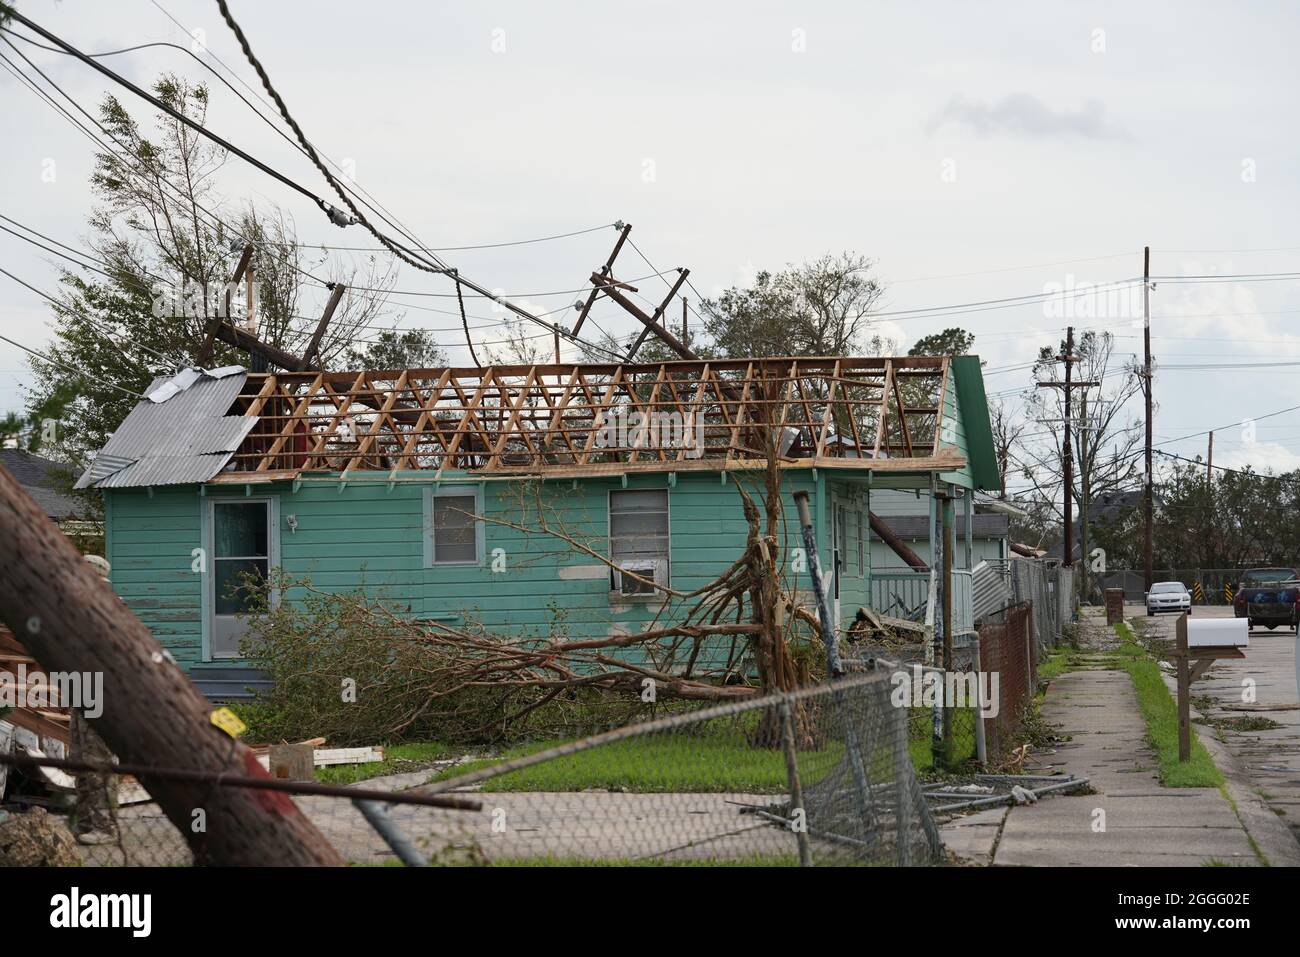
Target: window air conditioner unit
(655,569)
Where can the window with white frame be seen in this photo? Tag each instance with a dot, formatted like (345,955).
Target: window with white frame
(638,539)
(454,531)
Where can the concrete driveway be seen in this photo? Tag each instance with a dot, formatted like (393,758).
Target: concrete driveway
(1254,708)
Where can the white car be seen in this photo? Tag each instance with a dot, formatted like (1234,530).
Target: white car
(1168,596)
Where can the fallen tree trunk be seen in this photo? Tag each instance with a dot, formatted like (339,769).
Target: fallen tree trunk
(70,620)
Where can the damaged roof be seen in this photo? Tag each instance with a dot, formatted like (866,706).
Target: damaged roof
(180,433)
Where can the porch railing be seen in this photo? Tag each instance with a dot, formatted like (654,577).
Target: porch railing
(906,594)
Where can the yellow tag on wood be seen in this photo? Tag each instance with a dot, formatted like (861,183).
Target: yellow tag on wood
(228,721)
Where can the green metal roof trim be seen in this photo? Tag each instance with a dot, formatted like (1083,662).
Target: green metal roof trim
(974,404)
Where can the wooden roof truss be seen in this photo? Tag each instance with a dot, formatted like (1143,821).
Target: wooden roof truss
(877,413)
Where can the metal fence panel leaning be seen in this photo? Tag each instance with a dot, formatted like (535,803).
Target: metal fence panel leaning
(718,786)
(817,776)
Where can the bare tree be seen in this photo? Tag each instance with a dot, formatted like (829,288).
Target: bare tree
(1008,427)
(1105,438)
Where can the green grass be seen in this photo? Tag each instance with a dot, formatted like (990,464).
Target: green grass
(653,763)
(397,759)
(1058,663)
(1160,712)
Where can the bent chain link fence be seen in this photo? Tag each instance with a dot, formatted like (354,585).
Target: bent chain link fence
(816,776)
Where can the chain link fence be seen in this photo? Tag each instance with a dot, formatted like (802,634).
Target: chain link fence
(817,776)
(1006,649)
(1209,586)
(1049,589)
(69,813)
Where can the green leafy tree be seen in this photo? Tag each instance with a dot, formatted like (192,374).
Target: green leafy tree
(397,349)
(158,226)
(821,308)
(950,342)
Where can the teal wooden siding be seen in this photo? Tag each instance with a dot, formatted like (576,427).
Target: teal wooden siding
(952,431)
(368,535)
(150,541)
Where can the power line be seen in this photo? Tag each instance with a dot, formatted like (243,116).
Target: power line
(359,191)
(288,139)
(989,272)
(102,326)
(126,157)
(65,367)
(452,249)
(374,203)
(956,309)
(357,214)
(171,111)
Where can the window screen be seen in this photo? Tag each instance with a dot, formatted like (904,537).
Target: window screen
(455,529)
(638,526)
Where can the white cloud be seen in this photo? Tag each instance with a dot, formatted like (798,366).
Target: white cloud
(1260,456)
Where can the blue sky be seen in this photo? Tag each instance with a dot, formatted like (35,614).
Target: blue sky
(976,151)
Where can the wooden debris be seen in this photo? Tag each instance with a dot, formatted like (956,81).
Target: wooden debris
(1261,707)
(325,757)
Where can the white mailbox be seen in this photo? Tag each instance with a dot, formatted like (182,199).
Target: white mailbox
(1218,633)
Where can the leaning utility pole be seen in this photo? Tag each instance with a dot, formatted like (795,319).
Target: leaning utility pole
(70,621)
(1146,382)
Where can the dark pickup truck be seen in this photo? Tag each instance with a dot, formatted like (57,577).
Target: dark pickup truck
(1269,597)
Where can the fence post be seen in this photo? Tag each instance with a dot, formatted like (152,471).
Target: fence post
(376,816)
(831,640)
(902,789)
(981,746)
(796,788)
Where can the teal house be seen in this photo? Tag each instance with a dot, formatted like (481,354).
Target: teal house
(489,497)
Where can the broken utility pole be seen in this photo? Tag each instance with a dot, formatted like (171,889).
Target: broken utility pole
(603,281)
(242,268)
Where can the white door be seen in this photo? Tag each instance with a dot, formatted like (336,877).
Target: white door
(242,536)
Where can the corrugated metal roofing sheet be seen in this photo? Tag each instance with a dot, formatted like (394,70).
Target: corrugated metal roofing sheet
(167,470)
(990,588)
(185,438)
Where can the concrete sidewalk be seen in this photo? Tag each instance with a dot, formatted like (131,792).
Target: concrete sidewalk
(1261,762)
(1131,820)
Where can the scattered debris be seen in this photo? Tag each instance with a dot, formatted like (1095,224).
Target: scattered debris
(1023,795)
(1261,707)
(324,757)
(36,839)
(1005,789)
